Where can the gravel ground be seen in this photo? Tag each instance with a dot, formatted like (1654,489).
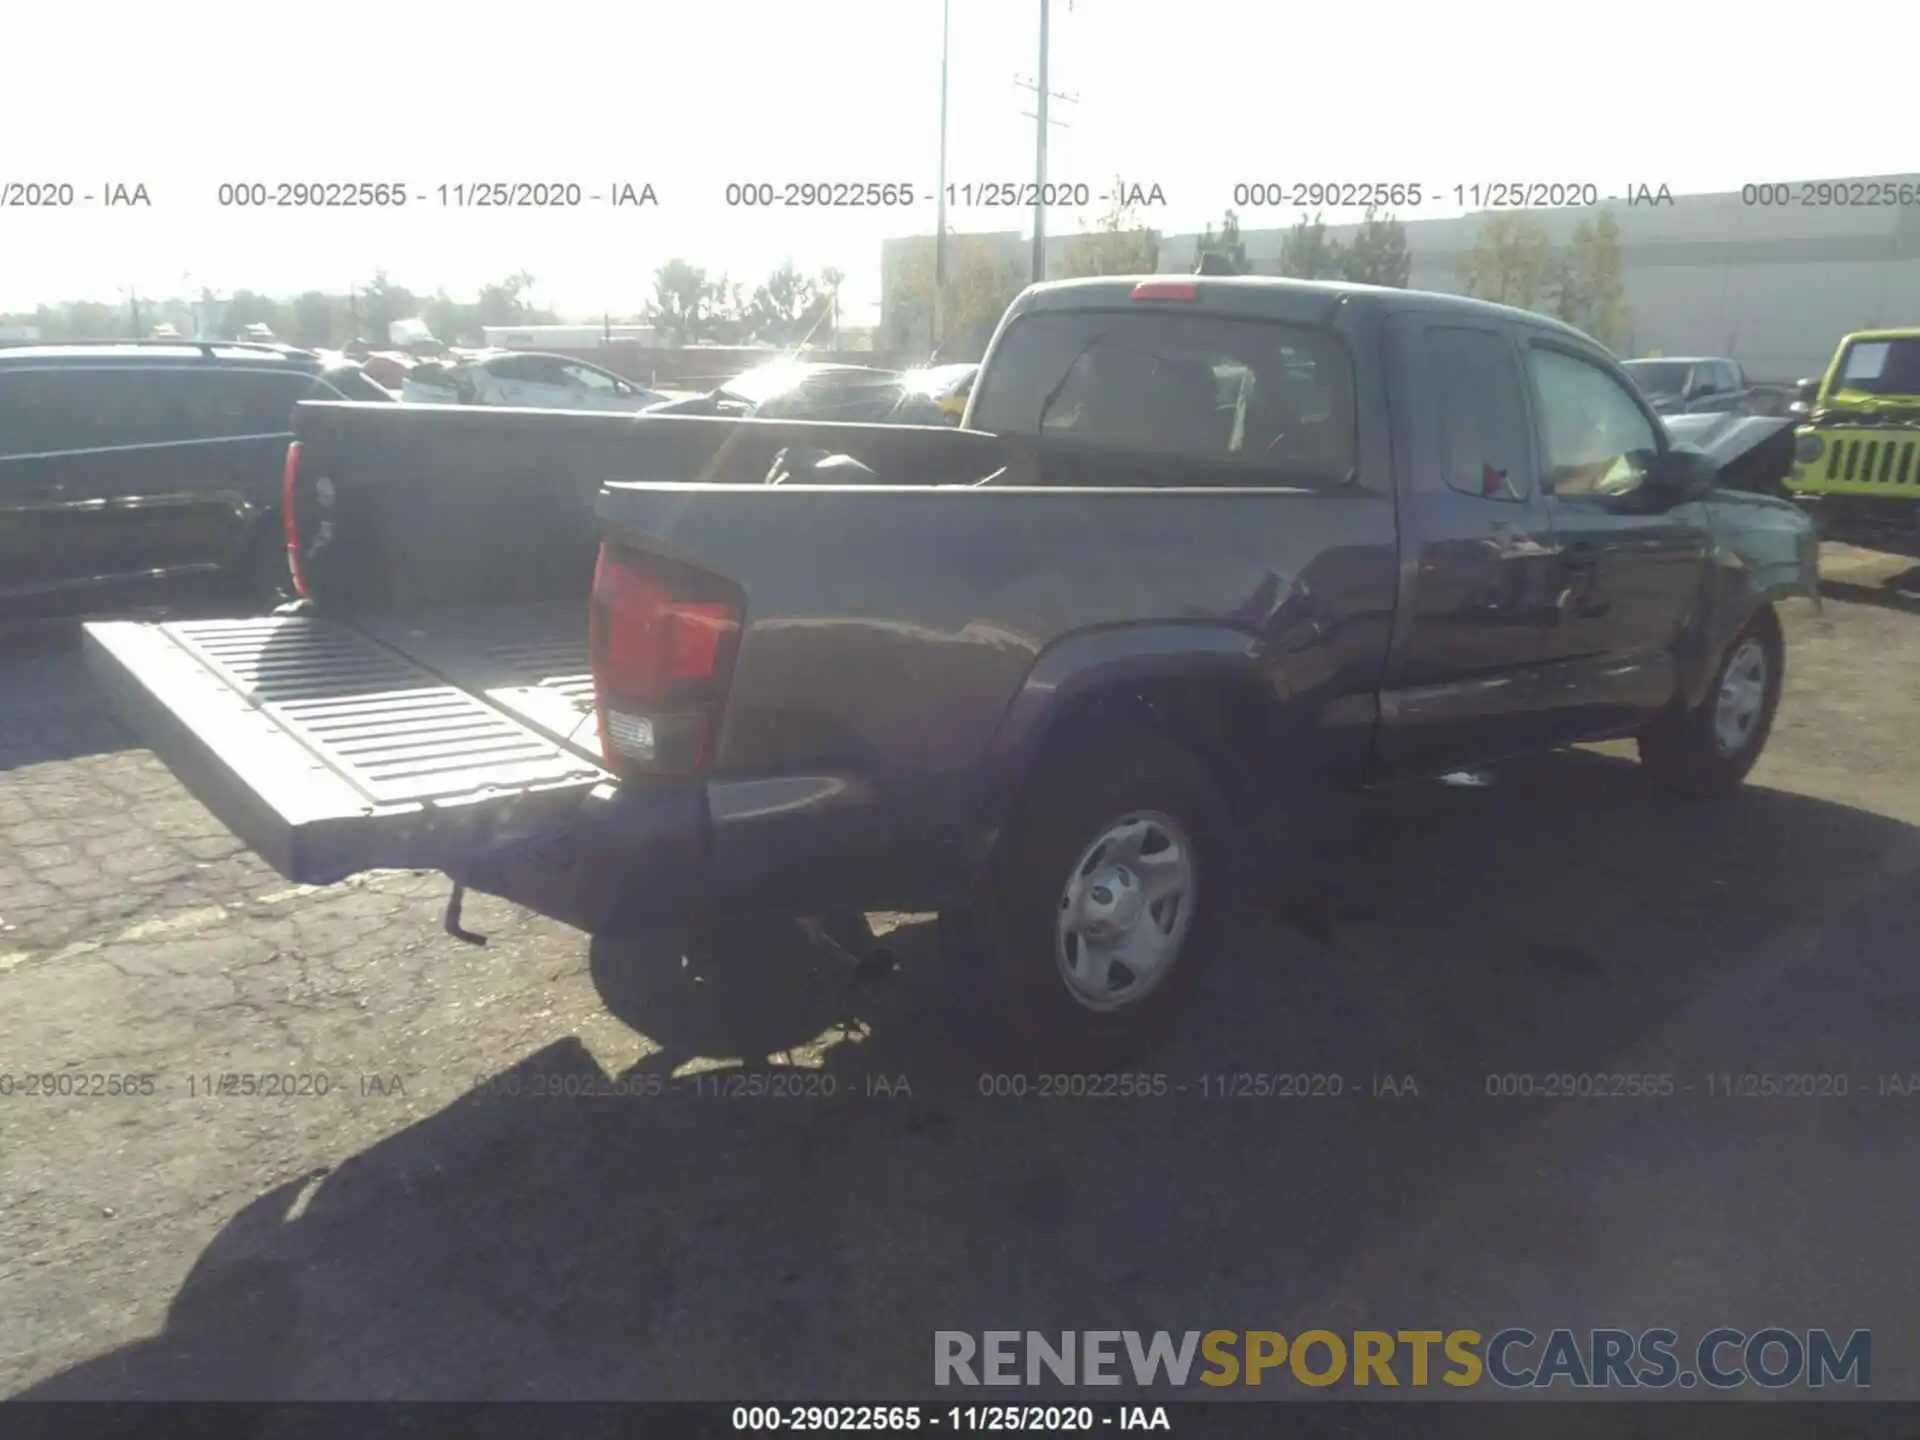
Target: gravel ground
(427,1219)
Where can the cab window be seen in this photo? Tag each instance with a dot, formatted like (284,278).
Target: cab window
(1480,414)
(1594,439)
(1160,399)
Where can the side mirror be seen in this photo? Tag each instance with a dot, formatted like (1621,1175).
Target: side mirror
(1685,473)
(1808,391)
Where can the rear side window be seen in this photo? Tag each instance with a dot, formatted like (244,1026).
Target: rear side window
(585,377)
(1192,399)
(79,408)
(42,411)
(1480,415)
(222,404)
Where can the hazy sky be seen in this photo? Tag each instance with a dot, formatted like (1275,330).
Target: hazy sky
(1194,96)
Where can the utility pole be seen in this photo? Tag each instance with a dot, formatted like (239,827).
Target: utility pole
(1040,153)
(940,198)
(1042,123)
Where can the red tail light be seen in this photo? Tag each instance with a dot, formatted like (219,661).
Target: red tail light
(661,640)
(1166,290)
(290,518)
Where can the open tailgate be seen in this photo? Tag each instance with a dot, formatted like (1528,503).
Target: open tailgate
(330,752)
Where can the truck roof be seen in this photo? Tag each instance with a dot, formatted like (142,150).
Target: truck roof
(1898,332)
(1272,297)
(149,352)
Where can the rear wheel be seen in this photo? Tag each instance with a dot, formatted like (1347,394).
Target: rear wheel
(1707,751)
(1107,888)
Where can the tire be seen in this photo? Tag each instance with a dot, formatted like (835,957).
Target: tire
(1688,751)
(1123,795)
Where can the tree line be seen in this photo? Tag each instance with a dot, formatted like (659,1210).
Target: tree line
(691,307)
(316,319)
(1512,260)
(687,307)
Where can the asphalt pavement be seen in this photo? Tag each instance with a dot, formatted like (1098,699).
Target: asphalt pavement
(302,1144)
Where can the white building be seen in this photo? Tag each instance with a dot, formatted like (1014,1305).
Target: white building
(1773,286)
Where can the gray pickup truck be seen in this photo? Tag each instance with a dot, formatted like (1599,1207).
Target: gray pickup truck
(1705,385)
(1203,547)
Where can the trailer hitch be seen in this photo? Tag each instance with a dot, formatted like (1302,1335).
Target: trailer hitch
(450,922)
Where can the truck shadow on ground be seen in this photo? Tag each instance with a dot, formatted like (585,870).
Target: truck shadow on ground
(51,709)
(692,1245)
(1896,592)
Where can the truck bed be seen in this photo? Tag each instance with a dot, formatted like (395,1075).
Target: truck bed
(528,661)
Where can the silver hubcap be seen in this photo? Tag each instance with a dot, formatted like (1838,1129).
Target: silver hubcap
(1743,695)
(1125,911)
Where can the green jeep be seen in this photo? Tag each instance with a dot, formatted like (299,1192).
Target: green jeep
(1856,461)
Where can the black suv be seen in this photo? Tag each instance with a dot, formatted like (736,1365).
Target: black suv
(129,469)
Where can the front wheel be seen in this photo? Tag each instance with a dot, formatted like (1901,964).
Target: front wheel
(1107,887)
(1707,751)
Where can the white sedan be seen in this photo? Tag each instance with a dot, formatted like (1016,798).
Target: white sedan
(528,380)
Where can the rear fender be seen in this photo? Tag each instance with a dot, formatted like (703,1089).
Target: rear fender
(1113,672)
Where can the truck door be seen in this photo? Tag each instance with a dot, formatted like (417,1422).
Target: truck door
(38,425)
(185,462)
(1475,551)
(1627,577)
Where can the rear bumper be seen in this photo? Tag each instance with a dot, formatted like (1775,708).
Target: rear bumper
(631,856)
(623,859)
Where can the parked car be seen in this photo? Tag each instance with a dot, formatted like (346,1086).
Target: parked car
(1695,385)
(526,379)
(1041,681)
(131,468)
(811,390)
(1857,450)
(948,386)
(351,381)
